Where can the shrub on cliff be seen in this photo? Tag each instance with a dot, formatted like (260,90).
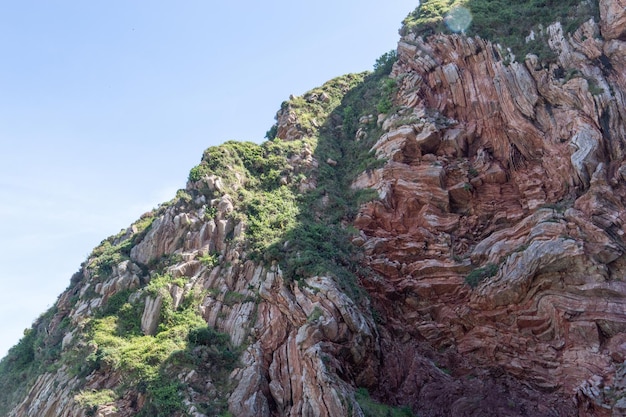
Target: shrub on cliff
(478,275)
(506,22)
(372,408)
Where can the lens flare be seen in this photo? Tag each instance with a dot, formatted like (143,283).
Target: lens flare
(458,19)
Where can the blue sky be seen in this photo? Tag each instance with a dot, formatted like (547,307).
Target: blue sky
(106,105)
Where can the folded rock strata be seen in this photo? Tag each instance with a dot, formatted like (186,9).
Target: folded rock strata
(495,249)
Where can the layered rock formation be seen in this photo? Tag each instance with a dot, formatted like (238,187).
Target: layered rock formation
(491,268)
(515,169)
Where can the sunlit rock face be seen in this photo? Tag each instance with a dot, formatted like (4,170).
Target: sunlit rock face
(491,267)
(521,173)
(613,18)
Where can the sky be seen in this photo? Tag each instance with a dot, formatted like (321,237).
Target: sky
(105,106)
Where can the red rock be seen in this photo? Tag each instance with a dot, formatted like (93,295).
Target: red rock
(523,140)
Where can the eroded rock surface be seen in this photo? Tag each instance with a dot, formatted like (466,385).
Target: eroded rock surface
(494,256)
(523,177)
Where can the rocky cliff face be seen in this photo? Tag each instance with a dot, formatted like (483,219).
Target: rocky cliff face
(489,279)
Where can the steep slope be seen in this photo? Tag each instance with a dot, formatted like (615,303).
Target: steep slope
(188,312)
(484,275)
(509,174)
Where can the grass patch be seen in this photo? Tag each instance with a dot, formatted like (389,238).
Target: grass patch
(210,260)
(161,264)
(151,363)
(128,314)
(270,214)
(478,275)
(372,408)
(320,244)
(37,352)
(116,249)
(107,255)
(313,109)
(505,21)
(315,315)
(389,90)
(92,399)
(305,231)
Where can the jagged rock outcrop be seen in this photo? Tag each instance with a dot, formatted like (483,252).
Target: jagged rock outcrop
(515,156)
(491,267)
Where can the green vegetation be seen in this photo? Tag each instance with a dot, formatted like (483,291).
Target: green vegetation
(262,183)
(315,315)
(165,399)
(210,212)
(504,21)
(91,400)
(182,196)
(161,264)
(592,84)
(389,90)
(129,314)
(303,230)
(385,62)
(313,109)
(36,353)
(107,255)
(371,408)
(113,341)
(116,249)
(210,260)
(319,244)
(260,168)
(594,88)
(480,274)
(270,214)
(152,362)
(263,166)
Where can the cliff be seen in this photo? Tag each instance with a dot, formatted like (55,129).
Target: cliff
(443,236)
